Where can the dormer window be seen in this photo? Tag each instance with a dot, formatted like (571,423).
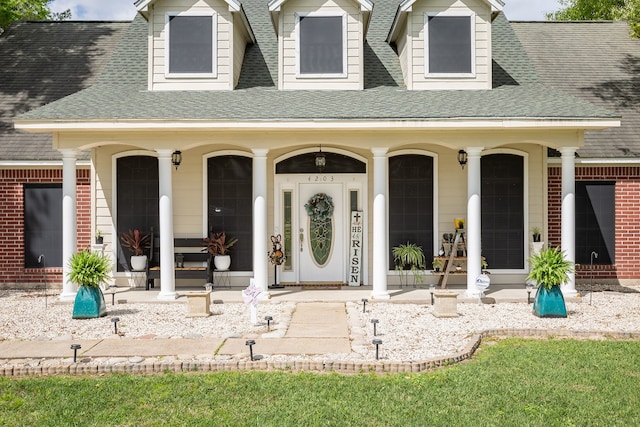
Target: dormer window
(190,45)
(449,45)
(321,48)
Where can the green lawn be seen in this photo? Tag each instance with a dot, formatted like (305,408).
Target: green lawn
(510,383)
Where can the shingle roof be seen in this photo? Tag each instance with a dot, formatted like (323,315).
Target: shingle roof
(41,62)
(596,61)
(121,92)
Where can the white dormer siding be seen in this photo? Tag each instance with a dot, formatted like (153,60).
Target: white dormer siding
(227,41)
(296,69)
(425,71)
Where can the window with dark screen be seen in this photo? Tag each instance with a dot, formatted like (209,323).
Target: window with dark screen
(411,203)
(595,222)
(321,45)
(191,44)
(502,204)
(449,45)
(42,225)
(230,205)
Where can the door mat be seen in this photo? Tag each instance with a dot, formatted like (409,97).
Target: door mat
(316,286)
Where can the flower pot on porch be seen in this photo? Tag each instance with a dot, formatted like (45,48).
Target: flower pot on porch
(139,262)
(89,303)
(549,302)
(222,262)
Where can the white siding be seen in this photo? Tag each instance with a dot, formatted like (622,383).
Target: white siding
(224,71)
(406,61)
(240,39)
(288,79)
(482,14)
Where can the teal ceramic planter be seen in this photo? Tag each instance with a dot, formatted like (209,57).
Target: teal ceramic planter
(89,303)
(549,303)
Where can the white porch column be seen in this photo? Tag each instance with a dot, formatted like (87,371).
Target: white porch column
(568,242)
(69,221)
(167,272)
(260,275)
(474,223)
(380,238)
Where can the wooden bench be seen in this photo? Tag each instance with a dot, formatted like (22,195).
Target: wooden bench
(197,264)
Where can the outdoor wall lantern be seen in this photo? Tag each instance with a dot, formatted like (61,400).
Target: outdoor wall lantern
(321,160)
(462,158)
(176,158)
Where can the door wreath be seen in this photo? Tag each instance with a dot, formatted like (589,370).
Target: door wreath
(320,210)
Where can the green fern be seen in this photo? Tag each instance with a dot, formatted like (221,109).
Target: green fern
(89,268)
(549,268)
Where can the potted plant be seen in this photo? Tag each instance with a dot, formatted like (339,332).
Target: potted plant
(88,270)
(437,264)
(484,265)
(549,269)
(535,231)
(409,257)
(218,246)
(136,241)
(99,237)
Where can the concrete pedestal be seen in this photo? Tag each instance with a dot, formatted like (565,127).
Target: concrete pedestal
(198,303)
(445,304)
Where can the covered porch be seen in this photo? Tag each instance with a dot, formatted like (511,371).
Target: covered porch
(185,206)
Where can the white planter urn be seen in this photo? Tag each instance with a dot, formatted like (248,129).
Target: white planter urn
(536,247)
(222,262)
(138,262)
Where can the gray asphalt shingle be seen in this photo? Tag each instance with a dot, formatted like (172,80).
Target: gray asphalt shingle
(121,92)
(41,62)
(595,61)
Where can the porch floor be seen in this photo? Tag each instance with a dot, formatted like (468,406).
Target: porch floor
(408,294)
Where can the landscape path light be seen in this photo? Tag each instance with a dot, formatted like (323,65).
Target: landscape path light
(375,323)
(250,343)
(75,348)
(377,343)
(530,286)
(115,321)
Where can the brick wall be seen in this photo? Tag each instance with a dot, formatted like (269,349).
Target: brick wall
(627,195)
(12,271)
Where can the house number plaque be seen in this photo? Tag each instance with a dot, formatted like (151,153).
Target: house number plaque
(320,178)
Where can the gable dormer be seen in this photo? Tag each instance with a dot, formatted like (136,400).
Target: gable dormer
(195,44)
(445,44)
(320,43)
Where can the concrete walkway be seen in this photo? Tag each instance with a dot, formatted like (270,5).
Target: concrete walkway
(315,328)
(315,338)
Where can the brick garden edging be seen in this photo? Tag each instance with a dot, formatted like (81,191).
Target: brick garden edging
(345,367)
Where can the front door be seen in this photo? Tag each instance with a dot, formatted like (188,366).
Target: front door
(321,233)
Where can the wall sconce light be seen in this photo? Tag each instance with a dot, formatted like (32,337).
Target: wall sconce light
(321,160)
(462,158)
(176,158)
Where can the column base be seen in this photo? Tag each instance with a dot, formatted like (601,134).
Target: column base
(68,296)
(569,292)
(380,295)
(264,296)
(167,296)
(475,293)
